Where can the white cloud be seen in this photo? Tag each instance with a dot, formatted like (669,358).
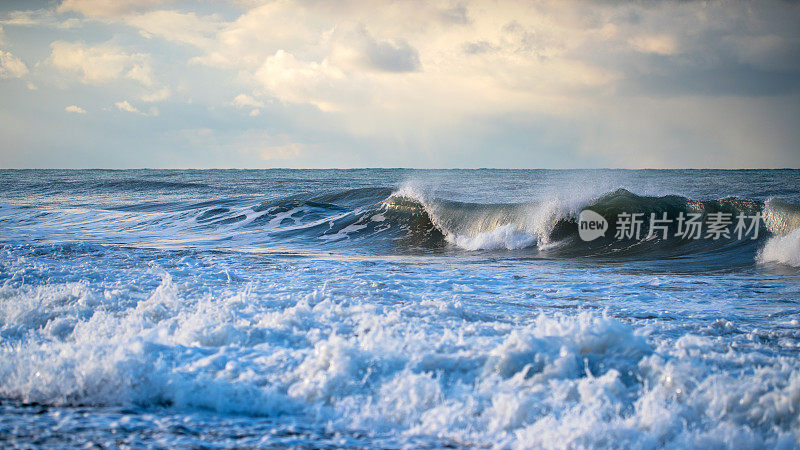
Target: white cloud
(107,8)
(142,73)
(171,25)
(244,100)
(11,66)
(156,96)
(101,63)
(128,107)
(125,106)
(75,109)
(320,84)
(175,26)
(39,17)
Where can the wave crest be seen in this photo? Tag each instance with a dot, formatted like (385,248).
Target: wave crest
(474,226)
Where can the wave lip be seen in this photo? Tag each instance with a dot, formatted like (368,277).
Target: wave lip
(781,217)
(474,226)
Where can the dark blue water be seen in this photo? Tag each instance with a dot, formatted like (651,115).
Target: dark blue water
(395,308)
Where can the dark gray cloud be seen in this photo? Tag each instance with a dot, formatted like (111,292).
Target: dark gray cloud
(743,49)
(395,56)
(730,79)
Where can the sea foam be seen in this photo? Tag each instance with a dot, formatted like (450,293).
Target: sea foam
(782,249)
(419,368)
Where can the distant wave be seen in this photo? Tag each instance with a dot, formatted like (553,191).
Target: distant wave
(118,185)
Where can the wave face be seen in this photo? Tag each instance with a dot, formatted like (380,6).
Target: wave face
(395,309)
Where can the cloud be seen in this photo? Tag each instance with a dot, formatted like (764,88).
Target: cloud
(658,44)
(171,25)
(11,66)
(101,63)
(320,84)
(362,50)
(475,48)
(107,8)
(732,80)
(416,62)
(244,100)
(126,106)
(75,109)
(156,96)
(426,80)
(39,17)
(175,26)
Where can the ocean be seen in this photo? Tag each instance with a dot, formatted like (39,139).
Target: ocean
(398,308)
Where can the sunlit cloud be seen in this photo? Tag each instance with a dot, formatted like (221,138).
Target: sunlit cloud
(75,109)
(126,106)
(11,66)
(101,63)
(107,8)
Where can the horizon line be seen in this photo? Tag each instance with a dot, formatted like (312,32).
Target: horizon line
(396,168)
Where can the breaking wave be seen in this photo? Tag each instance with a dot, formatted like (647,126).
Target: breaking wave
(552,226)
(408,220)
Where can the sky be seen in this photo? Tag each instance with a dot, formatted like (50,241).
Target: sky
(406,83)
